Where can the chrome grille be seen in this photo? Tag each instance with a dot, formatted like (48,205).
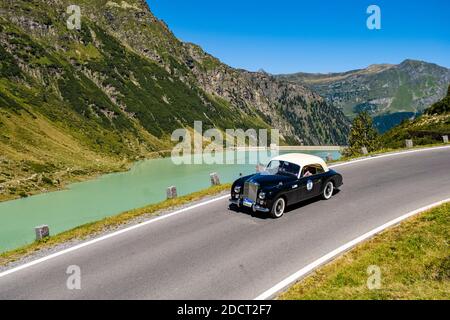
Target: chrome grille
(250,191)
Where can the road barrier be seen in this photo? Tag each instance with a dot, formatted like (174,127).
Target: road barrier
(171,192)
(215,181)
(364,150)
(445,138)
(409,143)
(42,232)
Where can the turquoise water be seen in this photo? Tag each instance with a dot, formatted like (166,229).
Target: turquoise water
(111,194)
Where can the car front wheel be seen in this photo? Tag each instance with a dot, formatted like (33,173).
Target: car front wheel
(278,208)
(328,190)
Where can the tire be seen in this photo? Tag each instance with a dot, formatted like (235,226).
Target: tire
(278,208)
(328,190)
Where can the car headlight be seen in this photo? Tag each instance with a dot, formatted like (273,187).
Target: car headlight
(262,195)
(237,189)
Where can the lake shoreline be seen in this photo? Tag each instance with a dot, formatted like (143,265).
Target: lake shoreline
(127,164)
(76,177)
(63,183)
(98,195)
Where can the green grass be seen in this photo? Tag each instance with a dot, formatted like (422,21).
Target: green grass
(427,129)
(413,257)
(402,100)
(90,229)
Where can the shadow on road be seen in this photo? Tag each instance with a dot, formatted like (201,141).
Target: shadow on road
(264,216)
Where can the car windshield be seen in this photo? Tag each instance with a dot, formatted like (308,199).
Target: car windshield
(282,167)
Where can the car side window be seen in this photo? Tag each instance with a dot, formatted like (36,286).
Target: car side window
(312,170)
(290,168)
(319,169)
(308,171)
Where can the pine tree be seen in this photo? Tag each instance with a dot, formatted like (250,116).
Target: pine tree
(362,134)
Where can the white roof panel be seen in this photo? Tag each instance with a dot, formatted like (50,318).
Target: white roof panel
(302,159)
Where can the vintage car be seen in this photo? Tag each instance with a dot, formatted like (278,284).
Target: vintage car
(287,179)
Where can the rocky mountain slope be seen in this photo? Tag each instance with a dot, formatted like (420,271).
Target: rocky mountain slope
(78,102)
(391,93)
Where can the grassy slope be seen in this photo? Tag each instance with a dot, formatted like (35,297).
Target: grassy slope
(75,104)
(427,129)
(29,166)
(414,260)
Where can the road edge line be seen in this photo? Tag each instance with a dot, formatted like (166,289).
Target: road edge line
(381,156)
(109,235)
(163,217)
(338,251)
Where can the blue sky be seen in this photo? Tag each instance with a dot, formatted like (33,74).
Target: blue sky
(311,36)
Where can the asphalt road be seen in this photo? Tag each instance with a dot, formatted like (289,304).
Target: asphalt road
(213,253)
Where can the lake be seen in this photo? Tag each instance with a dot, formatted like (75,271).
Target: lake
(111,194)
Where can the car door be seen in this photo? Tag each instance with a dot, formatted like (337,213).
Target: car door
(306,188)
(290,187)
(311,186)
(291,190)
(318,178)
(317,185)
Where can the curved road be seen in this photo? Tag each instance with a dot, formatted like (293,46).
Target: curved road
(211,252)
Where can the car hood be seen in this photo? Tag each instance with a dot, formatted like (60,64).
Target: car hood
(268,180)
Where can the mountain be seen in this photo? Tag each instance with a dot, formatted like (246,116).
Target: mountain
(79,102)
(441,107)
(390,93)
(428,128)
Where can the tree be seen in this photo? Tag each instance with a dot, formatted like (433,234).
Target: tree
(362,134)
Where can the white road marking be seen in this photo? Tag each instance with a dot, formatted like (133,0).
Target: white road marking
(386,156)
(110,235)
(333,254)
(113,234)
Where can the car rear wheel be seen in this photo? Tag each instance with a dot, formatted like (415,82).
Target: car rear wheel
(328,190)
(278,208)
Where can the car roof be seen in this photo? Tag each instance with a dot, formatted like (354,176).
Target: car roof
(302,159)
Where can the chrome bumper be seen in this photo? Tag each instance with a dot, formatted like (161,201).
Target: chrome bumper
(260,209)
(235,201)
(255,207)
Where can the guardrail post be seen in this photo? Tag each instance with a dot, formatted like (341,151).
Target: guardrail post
(215,181)
(409,143)
(171,192)
(364,150)
(42,232)
(445,138)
